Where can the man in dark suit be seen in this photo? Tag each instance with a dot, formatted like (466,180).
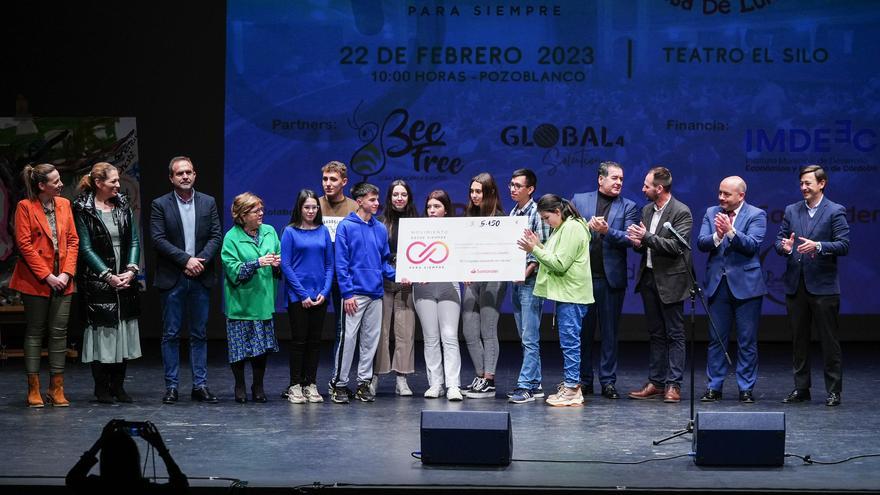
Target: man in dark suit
(814,232)
(732,233)
(610,215)
(186,233)
(664,283)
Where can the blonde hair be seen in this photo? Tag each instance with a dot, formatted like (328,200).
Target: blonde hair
(99,171)
(243,204)
(337,167)
(33,176)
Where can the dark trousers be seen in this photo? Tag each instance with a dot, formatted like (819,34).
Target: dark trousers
(806,311)
(45,315)
(746,313)
(604,314)
(666,334)
(305,341)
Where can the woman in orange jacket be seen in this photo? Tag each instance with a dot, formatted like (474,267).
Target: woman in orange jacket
(48,247)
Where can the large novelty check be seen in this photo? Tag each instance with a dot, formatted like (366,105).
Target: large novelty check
(469,249)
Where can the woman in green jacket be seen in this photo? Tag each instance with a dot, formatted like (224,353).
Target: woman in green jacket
(251,264)
(564,277)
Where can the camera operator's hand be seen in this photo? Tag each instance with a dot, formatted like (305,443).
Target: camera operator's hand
(152,436)
(108,428)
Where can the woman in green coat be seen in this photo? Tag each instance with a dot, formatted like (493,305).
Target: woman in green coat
(564,277)
(251,264)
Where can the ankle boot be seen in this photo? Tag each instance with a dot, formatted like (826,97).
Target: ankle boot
(117,379)
(55,394)
(33,396)
(102,383)
(238,374)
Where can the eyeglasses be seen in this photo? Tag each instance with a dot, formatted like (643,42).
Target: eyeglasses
(516,186)
(258,211)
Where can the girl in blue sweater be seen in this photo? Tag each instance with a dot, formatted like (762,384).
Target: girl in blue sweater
(307,264)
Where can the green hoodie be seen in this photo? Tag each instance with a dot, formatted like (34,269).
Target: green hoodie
(564,272)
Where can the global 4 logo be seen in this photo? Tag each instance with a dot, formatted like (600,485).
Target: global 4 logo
(398,136)
(567,146)
(549,136)
(818,140)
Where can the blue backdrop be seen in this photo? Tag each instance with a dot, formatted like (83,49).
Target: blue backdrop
(436,94)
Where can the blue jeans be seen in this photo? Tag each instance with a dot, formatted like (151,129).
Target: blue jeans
(569,317)
(527,313)
(190,298)
(604,314)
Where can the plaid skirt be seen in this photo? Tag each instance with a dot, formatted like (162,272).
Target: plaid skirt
(250,338)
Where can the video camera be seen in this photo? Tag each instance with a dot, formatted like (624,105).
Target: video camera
(133,428)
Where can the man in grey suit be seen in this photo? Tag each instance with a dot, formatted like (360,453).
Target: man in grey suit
(814,232)
(610,215)
(186,232)
(664,282)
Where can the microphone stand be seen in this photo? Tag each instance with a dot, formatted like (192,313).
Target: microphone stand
(696,290)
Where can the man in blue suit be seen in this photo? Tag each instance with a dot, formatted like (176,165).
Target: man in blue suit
(186,233)
(610,215)
(814,232)
(732,233)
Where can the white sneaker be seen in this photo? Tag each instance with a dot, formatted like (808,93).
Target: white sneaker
(567,397)
(295,395)
(454,394)
(402,388)
(374,384)
(311,394)
(434,392)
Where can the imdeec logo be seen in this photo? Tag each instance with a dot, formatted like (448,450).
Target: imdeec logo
(841,135)
(418,252)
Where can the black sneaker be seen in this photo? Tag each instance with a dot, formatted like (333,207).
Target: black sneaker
(340,395)
(347,391)
(484,390)
(363,393)
(474,384)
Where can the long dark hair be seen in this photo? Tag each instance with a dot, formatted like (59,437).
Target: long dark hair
(296,218)
(443,197)
(491,205)
(552,202)
(390,216)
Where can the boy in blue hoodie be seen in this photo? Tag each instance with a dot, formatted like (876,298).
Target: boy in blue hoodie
(362,260)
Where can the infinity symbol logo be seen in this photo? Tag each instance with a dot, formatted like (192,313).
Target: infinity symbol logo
(419,252)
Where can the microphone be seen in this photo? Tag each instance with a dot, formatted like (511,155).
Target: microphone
(668,226)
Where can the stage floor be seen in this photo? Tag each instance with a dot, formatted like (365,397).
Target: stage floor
(286,445)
